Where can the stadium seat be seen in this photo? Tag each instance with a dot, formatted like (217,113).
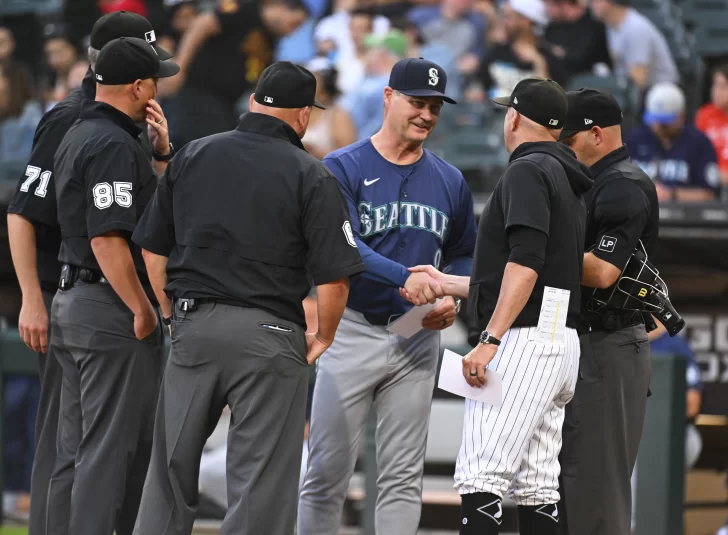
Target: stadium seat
(620,89)
(711,32)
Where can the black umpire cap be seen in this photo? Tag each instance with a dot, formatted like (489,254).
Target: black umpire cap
(541,100)
(417,77)
(127,59)
(286,85)
(589,108)
(124,24)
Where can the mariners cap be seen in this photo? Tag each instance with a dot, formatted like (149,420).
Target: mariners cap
(589,108)
(541,100)
(127,59)
(417,77)
(663,104)
(286,85)
(124,24)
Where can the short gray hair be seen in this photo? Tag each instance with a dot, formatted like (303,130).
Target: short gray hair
(93,56)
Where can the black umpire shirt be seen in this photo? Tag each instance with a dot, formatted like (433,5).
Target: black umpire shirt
(622,208)
(248,218)
(35,197)
(104,180)
(542,188)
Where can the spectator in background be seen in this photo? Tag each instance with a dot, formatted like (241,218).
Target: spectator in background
(575,37)
(351,64)
(678,157)
(712,119)
(61,54)
(179,15)
(523,54)
(220,58)
(77,73)
(333,33)
(133,6)
(19,116)
(332,128)
(455,25)
(639,51)
(8,64)
(434,52)
(365,102)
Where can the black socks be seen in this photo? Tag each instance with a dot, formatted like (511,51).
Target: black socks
(481,513)
(539,519)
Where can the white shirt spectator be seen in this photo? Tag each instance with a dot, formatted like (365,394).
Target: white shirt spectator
(335,28)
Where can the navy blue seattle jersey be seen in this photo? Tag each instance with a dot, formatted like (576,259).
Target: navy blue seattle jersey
(402,216)
(691,162)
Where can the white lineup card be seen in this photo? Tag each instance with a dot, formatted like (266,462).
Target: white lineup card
(551,328)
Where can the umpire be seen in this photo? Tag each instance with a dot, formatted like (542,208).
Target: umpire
(240,223)
(603,423)
(35,239)
(104,328)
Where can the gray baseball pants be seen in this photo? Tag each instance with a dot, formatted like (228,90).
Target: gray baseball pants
(367,365)
(255,363)
(603,429)
(110,387)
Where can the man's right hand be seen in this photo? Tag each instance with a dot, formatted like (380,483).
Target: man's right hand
(316,347)
(33,324)
(145,323)
(422,288)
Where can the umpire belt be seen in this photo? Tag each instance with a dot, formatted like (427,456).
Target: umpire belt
(71,274)
(381,320)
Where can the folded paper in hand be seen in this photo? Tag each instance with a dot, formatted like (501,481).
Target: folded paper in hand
(410,323)
(452,380)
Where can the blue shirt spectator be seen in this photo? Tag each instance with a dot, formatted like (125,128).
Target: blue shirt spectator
(452,24)
(678,157)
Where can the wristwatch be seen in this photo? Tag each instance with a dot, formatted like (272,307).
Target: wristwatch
(167,321)
(164,157)
(487,338)
(458,303)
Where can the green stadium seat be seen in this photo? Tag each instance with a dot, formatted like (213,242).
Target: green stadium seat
(711,33)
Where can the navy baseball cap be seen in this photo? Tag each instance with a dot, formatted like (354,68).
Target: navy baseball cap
(541,100)
(127,59)
(589,108)
(124,24)
(417,77)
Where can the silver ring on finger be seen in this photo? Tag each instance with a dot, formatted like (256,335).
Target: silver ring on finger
(160,121)
(473,374)
(444,322)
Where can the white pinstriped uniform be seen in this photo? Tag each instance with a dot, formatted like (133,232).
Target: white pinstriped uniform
(514,449)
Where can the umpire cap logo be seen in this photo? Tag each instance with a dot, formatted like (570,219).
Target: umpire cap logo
(150,36)
(348,233)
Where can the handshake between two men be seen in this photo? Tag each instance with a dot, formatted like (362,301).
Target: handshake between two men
(426,285)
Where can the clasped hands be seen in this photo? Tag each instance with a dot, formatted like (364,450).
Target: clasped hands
(424,286)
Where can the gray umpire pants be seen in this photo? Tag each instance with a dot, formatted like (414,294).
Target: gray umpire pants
(602,431)
(368,366)
(255,363)
(50,374)
(110,387)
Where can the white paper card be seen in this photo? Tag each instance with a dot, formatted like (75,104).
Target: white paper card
(411,322)
(551,327)
(452,380)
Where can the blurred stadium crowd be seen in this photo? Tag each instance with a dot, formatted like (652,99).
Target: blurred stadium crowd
(664,60)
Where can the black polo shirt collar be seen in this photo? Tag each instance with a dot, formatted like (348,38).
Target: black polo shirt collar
(101,110)
(88,85)
(609,160)
(268,126)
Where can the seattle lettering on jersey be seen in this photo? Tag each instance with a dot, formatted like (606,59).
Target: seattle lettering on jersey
(401,214)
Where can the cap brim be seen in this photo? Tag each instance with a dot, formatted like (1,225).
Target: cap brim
(162,53)
(167,69)
(502,101)
(659,118)
(317,104)
(567,133)
(427,93)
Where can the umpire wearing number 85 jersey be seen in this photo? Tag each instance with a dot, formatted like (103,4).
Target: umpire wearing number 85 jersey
(239,225)
(104,326)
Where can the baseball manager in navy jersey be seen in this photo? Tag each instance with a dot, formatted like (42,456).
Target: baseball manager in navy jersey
(408,207)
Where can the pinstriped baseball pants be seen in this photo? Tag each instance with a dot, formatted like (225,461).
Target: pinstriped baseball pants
(513,449)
